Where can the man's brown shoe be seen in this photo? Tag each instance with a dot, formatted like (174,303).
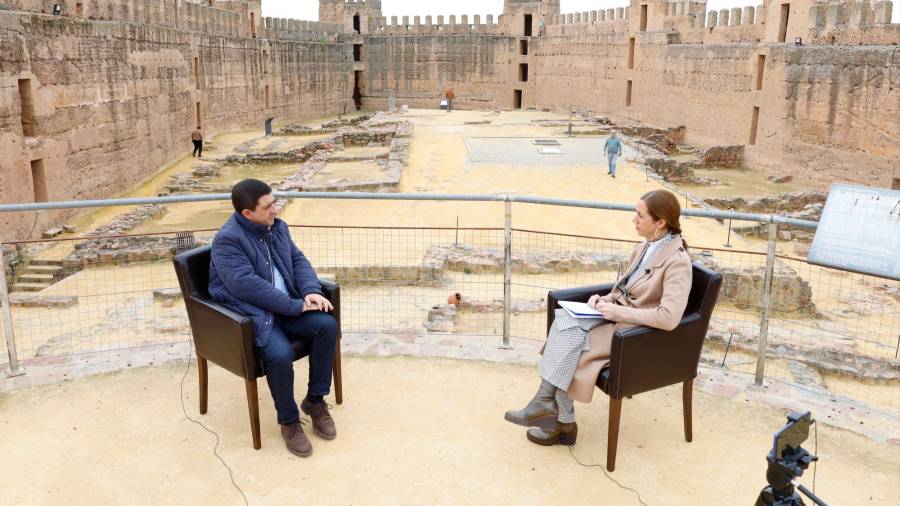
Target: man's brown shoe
(562,434)
(322,423)
(295,440)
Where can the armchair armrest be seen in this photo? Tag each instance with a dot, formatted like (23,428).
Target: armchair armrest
(223,336)
(578,294)
(332,292)
(644,358)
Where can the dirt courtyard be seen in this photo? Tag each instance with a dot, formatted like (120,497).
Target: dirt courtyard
(411,431)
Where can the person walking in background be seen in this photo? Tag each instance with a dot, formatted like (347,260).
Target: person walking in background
(197,139)
(613,149)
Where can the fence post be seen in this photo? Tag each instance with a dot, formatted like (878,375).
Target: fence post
(14,368)
(507,271)
(767,299)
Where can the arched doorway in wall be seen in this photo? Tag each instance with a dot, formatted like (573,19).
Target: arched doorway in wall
(356,26)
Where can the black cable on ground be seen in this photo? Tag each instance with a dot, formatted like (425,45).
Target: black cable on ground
(207,429)
(610,478)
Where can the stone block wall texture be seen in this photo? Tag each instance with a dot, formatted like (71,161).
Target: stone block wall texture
(114,101)
(114,90)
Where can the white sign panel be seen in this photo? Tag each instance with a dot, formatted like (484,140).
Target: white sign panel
(859,231)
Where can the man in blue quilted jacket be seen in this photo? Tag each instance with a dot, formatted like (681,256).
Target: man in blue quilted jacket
(258,270)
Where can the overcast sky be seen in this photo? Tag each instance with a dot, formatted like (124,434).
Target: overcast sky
(309,9)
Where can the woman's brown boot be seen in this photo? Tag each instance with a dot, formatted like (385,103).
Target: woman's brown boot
(540,412)
(561,434)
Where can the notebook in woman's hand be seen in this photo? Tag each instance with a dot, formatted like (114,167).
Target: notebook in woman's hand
(579,309)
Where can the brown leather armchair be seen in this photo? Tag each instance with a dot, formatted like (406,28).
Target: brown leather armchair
(226,337)
(644,358)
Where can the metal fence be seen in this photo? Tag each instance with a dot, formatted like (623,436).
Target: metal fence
(831,332)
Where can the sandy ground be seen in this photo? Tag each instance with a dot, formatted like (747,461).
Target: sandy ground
(411,431)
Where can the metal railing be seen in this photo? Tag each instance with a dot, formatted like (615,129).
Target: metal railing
(386,267)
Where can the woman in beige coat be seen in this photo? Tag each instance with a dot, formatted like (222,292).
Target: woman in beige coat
(653,292)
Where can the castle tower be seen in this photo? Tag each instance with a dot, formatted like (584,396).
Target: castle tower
(353,15)
(536,8)
(527,17)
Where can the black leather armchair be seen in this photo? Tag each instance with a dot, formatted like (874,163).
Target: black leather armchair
(226,337)
(644,358)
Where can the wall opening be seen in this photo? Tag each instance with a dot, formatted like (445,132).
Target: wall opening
(197,72)
(896,184)
(199,117)
(754,123)
(528,25)
(357,89)
(760,69)
(631,53)
(628,94)
(79,9)
(643,26)
(265,61)
(253,24)
(783,24)
(523,72)
(517,99)
(175,10)
(268,98)
(356,24)
(357,52)
(523,47)
(29,126)
(39,180)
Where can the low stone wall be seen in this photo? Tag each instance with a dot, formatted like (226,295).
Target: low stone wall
(783,202)
(744,288)
(671,170)
(721,156)
(804,345)
(475,260)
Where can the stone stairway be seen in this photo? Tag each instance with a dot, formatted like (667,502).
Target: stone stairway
(37,275)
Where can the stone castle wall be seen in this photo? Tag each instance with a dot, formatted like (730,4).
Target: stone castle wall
(114,85)
(114,101)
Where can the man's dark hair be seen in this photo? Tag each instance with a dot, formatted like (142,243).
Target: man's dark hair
(246,194)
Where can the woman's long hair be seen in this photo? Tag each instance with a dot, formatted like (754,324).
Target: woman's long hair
(663,205)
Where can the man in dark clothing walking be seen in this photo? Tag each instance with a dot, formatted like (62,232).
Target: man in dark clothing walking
(197,139)
(258,270)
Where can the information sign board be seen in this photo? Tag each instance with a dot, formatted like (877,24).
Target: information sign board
(859,231)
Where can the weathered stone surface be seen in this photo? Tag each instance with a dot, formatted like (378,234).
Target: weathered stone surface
(168,296)
(783,202)
(781,179)
(744,287)
(19,299)
(722,156)
(805,344)
(441,318)
(671,170)
(51,233)
(470,259)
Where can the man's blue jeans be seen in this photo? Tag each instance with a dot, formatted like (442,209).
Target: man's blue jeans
(320,330)
(611,158)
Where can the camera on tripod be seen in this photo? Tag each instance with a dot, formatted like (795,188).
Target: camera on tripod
(787,460)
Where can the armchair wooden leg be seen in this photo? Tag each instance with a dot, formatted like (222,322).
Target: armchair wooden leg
(612,439)
(336,370)
(253,406)
(203,373)
(686,397)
